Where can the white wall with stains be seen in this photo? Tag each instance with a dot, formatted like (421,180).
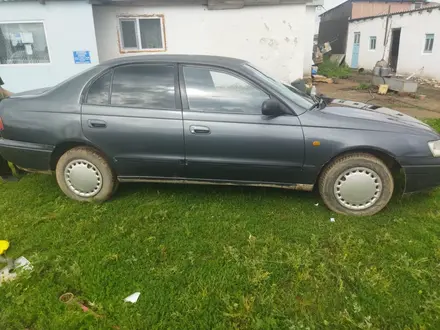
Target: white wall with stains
(68,27)
(278,39)
(309,30)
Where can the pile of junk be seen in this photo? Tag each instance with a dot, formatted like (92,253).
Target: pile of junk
(383,76)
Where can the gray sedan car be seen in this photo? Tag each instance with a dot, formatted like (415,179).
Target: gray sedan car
(216,120)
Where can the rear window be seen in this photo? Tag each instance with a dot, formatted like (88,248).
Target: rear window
(99,92)
(144,86)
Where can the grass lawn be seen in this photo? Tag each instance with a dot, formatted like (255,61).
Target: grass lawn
(218,257)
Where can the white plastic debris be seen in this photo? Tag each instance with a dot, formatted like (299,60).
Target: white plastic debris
(23,263)
(9,273)
(317,204)
(133,298)
(332,219)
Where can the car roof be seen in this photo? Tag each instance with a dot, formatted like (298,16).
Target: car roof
(191,59)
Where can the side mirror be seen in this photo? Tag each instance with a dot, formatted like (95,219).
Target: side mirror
(272,108)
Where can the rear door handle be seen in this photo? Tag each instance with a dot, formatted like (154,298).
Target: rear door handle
(199,129)
(96,123)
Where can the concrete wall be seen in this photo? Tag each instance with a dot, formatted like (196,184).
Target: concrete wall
(69,27)
(309,30)
(272,37)
(415,26)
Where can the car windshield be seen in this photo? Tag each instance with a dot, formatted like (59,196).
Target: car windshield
(300,98)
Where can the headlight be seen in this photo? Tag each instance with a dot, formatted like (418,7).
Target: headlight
(435,148)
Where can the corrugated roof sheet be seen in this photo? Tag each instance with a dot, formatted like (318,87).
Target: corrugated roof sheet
(435,6)
(386,1)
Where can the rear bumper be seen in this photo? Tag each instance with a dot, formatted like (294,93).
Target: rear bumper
(26,155)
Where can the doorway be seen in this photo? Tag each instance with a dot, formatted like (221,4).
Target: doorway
(394,49)
(356,46)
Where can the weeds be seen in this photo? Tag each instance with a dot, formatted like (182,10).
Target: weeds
(333,70)
(363,87)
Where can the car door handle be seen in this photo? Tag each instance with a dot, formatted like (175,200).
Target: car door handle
(96,123)
(199,129)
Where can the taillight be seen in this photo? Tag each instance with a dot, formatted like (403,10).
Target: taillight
(2,127)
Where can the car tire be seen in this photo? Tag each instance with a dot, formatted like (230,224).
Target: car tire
(83,174)
(356,184)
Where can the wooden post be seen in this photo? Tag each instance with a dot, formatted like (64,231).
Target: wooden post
(386,27)
(385,39)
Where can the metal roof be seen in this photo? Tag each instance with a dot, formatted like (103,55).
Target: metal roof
(435,7)
(385,1)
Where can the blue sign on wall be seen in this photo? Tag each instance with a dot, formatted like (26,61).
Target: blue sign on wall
(81,57)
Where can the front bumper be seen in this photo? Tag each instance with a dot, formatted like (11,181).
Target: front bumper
(421,173)
(26,155)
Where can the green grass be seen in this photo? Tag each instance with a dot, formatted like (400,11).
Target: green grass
(363,86)
(218,257)
(332,70)
(434,123)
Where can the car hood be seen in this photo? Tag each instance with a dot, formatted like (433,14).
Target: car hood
(358,110)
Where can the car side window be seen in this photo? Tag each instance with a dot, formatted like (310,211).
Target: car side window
(99,91)
(211,90)
(144,86)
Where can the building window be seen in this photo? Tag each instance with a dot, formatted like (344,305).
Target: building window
(417,5)
(373,43)
(429,43)
(23,43)
(142,34)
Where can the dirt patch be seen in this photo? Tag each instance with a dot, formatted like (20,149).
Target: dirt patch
(346,89)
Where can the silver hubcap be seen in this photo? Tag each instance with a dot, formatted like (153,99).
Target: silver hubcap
(358,188)
(83,178)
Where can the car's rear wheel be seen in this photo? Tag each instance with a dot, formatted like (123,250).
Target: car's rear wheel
(356,184)
(84,174)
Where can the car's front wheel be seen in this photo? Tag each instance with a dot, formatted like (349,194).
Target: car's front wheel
(356,184)
(84,174)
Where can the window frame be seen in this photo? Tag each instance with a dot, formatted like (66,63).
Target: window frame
(375,43)
(45,36)
(184,98)
(429,36)
(177,102)
(357,36)
(136,18)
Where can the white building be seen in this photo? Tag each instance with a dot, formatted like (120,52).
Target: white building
(410,44)
(45,42)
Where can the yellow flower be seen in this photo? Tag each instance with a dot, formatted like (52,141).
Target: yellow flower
(4,245)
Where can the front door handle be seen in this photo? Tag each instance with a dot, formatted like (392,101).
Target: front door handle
(199,129)
(96,123)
